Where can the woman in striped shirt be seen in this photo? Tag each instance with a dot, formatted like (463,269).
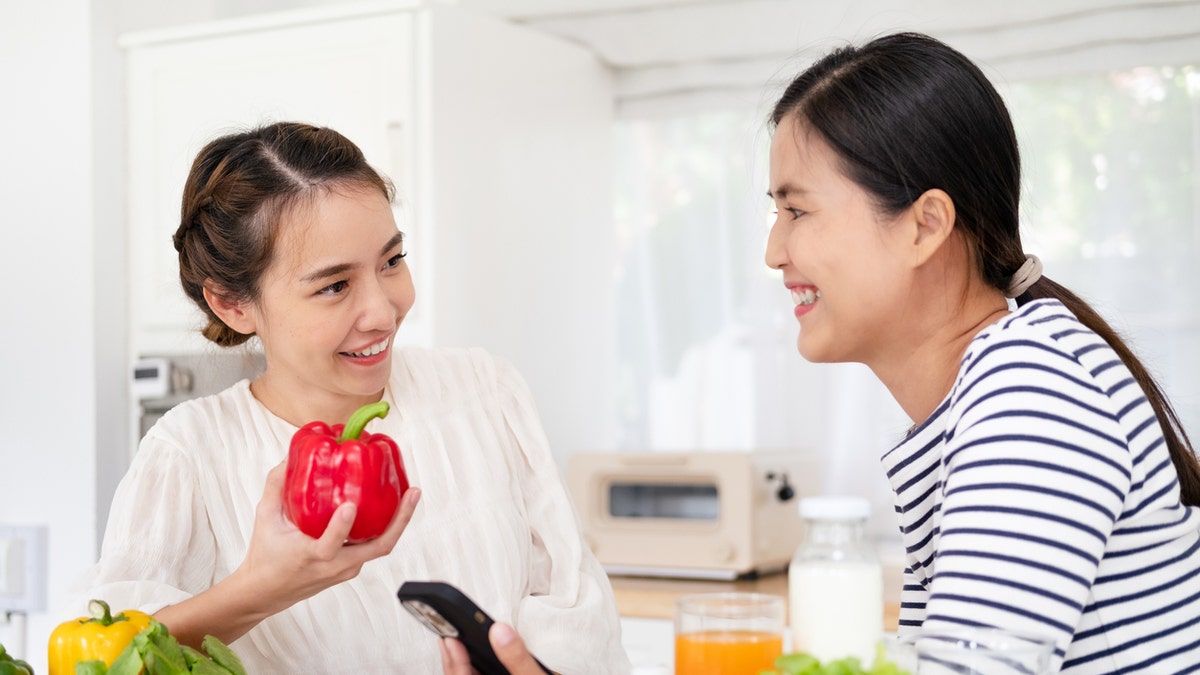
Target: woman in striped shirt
(1047,485)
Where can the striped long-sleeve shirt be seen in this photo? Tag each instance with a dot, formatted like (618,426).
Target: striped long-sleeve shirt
(1040,497)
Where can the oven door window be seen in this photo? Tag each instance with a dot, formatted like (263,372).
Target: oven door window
(671,501)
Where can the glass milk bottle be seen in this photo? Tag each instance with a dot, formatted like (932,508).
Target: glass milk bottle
(835,582)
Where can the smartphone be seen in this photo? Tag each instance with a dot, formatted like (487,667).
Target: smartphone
(448,612)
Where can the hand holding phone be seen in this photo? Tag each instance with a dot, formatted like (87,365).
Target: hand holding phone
(448,612)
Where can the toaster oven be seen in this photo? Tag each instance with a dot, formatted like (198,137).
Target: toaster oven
(703,515)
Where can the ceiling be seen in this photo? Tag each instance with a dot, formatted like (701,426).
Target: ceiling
(690,51)
(672,55)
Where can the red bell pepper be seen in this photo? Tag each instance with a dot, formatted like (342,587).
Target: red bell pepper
(330,465)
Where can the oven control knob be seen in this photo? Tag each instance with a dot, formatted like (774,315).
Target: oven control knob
(785,491)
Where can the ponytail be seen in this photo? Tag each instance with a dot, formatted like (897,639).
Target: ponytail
(1178,444)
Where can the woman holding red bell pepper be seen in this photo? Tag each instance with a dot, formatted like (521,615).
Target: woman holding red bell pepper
(288,236)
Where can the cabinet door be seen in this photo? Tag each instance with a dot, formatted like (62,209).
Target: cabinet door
(355,75)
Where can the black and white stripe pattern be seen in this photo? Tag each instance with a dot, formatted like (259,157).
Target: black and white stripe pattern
(1040,497)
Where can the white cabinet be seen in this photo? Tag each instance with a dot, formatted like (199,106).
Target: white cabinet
(354,74)
(498,139)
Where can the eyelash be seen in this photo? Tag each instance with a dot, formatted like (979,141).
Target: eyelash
(333,289)
(338,286)
(395,260)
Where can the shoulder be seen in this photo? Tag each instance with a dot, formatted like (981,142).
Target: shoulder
(443,370)
(1032,374)
(1042,341)
(1042,324)
(203,431)
(199,415)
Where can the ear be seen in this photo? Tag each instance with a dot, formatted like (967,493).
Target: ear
(238,315)
(934,216)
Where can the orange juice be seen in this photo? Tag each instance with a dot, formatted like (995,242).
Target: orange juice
(726,652)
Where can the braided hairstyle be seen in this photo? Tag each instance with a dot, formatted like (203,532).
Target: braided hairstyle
(906,113)
(239,187)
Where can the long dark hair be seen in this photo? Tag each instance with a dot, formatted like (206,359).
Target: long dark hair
(906,113)
(236,191)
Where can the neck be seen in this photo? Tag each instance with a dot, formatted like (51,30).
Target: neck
(922,370)
(312,406)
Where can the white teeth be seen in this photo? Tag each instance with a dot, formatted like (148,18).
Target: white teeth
(806,297)
(372,350)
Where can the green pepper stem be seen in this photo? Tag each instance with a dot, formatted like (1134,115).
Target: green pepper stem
(358,421)
(100,612)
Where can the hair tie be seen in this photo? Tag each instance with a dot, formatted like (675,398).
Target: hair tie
(1025,276)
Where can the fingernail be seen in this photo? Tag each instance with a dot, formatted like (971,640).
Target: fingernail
(502,634)
(413,495)
(349,512)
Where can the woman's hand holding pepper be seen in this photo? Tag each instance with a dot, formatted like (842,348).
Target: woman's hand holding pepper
(290,566)
(282,567)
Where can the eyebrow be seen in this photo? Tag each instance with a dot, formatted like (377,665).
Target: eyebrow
(783,191)
(392,243)
(341,268)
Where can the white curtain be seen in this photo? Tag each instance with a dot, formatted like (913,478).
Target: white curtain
(706,336)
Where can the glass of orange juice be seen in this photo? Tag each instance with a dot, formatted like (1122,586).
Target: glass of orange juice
(728,633)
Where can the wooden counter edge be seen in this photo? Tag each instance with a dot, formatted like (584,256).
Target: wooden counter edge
(654,598)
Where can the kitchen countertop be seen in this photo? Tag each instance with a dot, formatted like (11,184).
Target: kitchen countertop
(654,598)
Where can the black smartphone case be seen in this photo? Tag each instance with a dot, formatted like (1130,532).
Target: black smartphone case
(448,612)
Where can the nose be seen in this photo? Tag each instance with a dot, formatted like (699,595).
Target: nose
(776,253)
(375,309)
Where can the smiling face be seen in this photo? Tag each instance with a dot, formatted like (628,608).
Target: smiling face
(841,259)
(329,306)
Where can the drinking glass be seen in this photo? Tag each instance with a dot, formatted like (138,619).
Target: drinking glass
(728,633)
(972,651)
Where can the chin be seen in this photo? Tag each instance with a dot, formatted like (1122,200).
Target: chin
(374,385)
(812,352)
(373,382)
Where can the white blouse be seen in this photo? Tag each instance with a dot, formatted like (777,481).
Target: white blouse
(494,520)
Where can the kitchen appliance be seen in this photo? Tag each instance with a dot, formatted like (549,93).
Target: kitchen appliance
(700,515)
(160,382)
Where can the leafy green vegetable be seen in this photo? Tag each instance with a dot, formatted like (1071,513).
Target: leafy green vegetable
(223,655)
(158,663)
(93,667)
(155,652)
(166,649)
(128,662)
(209,668)
(191,656)
(800,663)
(11,666)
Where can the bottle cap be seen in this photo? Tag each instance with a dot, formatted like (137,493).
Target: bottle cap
(834,507)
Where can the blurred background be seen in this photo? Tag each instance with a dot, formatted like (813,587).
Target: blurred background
(598,217)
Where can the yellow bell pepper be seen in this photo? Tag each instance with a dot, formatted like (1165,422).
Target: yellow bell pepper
(100,636)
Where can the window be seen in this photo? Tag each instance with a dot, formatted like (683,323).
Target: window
(707,345)
(1112,205)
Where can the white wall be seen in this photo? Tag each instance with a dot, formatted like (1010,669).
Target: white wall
(62,400)
(64,362)
(47,362)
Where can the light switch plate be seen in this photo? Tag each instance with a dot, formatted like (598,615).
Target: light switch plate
(23,564)
(12,566)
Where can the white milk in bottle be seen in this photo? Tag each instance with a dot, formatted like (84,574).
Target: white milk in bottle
(835,582)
